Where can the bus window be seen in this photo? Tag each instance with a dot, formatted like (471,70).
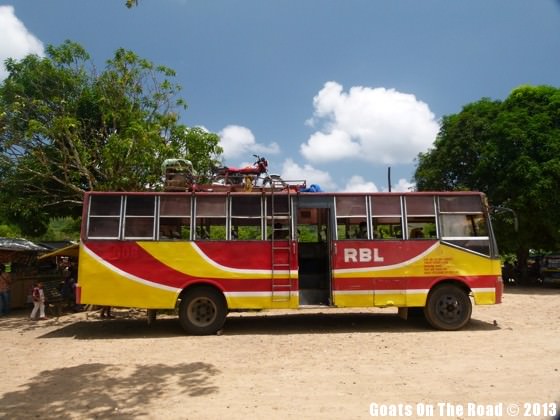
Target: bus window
(246,217)
(387,219)
(463,222)
(175,217)
(421,217)
(139,217)
(387,228)
(460,204)
(104,216)
(457,225)
(211,217)
(351,217)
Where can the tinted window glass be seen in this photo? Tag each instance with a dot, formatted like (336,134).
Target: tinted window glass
(105,205)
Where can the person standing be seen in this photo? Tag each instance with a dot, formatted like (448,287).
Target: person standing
(5,283)
(38,302)
(106,312)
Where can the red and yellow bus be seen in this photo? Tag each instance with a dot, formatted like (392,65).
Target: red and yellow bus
(207,253)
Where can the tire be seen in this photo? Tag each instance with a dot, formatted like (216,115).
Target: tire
(202,311)
(448,308)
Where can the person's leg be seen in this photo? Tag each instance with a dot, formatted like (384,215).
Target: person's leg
(3,303)
(7,302)
(42,310)
(35,310)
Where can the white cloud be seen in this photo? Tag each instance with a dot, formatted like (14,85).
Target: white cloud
(238,141)
(291,171)
(15,40)
(377,125)
(323,147)
(358,184)
(402,186)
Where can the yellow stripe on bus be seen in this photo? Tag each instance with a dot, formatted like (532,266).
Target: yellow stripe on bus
(102,284)
(263,301)
(187,258)
(484,298)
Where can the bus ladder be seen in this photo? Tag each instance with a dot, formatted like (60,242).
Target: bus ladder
(281,255)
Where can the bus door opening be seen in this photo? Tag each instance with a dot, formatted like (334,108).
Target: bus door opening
(314,242)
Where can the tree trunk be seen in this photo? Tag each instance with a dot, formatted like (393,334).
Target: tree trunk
(521,266)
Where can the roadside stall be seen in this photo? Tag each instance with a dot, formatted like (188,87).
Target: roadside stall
(19,256)
(60,292)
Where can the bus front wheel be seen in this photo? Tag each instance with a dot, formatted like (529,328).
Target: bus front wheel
(448,308)
(202,311)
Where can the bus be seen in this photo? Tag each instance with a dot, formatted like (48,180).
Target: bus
(205,253)
(550,269)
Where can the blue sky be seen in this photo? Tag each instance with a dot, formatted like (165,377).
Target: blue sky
(333,91)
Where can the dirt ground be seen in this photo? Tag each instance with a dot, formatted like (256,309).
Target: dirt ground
(328,364)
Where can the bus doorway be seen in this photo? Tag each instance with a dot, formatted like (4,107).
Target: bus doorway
(314,236)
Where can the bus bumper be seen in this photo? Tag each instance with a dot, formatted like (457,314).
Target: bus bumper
(499,289)
(489,295)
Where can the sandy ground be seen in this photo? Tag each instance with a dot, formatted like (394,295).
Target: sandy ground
(327,364)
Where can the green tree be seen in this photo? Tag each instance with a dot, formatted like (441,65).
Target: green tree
(509,150)
(62,229)
(9,231)
(65,129)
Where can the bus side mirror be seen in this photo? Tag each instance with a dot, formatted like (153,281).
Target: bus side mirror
(499,209)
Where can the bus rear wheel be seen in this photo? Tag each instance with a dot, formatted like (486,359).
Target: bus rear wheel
(202,311)
(448,308)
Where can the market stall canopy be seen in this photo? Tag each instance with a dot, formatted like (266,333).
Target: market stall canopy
(67,251)
(20,251)
(16,244)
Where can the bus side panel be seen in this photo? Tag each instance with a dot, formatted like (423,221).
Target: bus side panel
(101,283)
(152,274)
(241,269)
(401,273)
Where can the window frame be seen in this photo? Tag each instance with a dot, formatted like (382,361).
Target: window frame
(409,217)
(384,214)
(161,216)
(350,215)
(125,217)
(91,198)
(232,218)
(196,222)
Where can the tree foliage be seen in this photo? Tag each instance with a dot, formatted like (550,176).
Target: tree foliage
(511,151)
(66,129)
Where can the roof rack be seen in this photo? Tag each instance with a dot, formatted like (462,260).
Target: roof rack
(180,177)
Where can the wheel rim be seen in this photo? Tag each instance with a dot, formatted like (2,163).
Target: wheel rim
(449,309)
(202,312)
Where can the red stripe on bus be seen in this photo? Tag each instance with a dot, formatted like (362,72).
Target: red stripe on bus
(246,255)
(408,283)
(363,254)
(133,259)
